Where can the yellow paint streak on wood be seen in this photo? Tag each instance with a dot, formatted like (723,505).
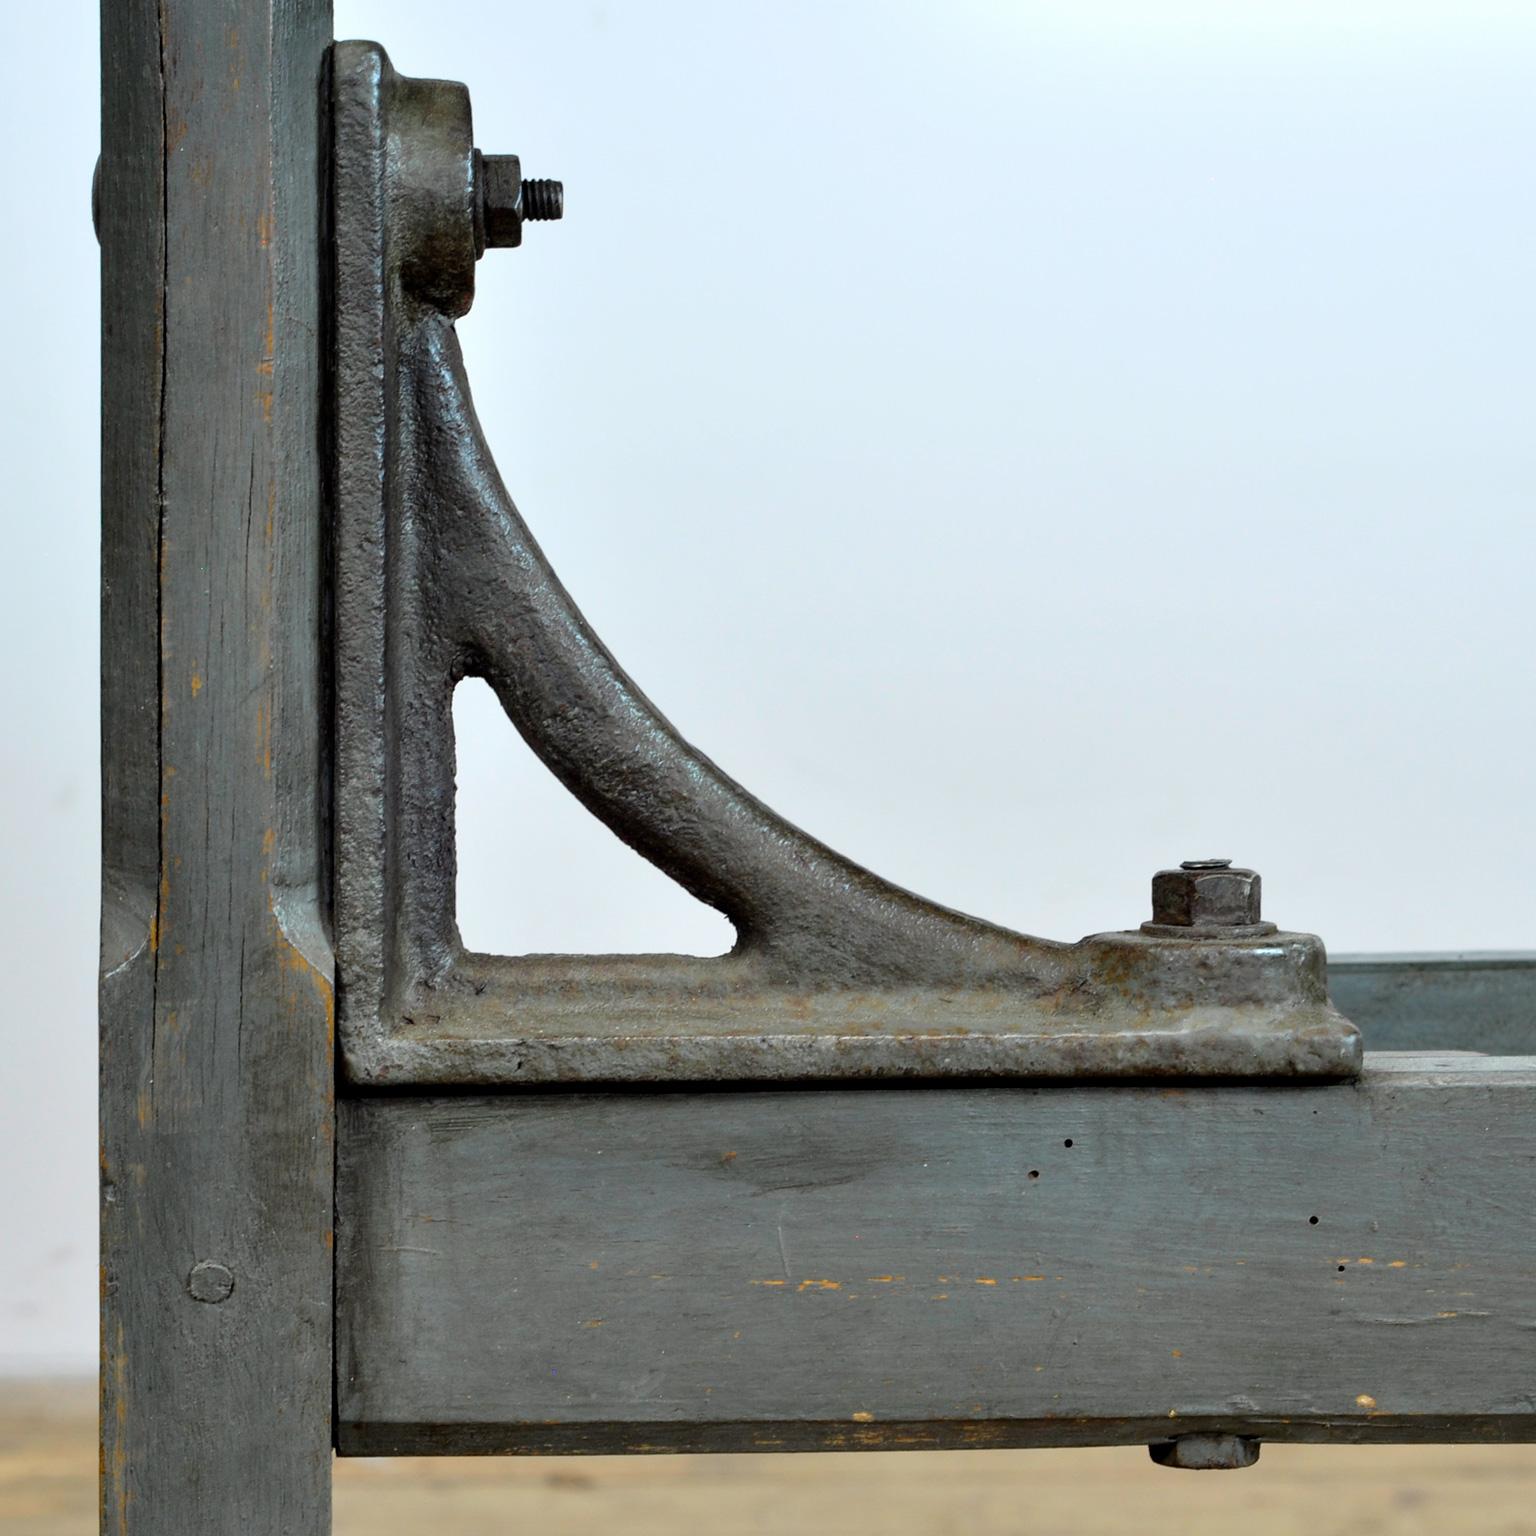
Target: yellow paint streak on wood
(1365,1400)
(886,1279)
(294,960)
(269,339)
(264,738)
(120,1439)
(985,1280)
(820,1285)
(197,684)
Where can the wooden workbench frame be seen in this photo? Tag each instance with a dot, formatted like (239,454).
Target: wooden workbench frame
(629,1270)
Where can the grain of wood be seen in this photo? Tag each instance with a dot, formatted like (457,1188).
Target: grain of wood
(216,1074)
(48,1469)
(887,1269)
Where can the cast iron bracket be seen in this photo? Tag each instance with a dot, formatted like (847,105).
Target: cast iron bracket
(835,972)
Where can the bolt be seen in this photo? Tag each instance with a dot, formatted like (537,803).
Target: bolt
(1205,894)
(504,200)
(1206,1453)
(210,1283)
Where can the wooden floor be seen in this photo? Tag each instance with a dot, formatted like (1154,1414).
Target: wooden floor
(48,1488)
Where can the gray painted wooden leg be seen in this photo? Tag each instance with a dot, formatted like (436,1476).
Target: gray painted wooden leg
(216,977)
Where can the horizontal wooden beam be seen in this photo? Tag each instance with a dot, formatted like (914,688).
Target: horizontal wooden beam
(871,1268)
(1439,1002)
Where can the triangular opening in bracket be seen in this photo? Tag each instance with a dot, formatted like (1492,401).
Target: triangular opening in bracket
(539,874)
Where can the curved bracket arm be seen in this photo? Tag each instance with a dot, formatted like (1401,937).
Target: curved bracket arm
(805,916)
(835,972)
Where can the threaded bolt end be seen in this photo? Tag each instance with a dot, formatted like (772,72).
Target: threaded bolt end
(543,199)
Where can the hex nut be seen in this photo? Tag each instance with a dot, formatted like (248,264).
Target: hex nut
(501,189)
(1210,894)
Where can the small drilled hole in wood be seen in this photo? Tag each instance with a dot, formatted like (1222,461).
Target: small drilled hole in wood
(1067,1142)
(1311,1221)
(1034,1173)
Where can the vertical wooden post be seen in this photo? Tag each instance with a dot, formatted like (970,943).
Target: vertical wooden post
(216,980)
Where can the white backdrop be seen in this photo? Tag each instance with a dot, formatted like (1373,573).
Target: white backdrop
(1027,443)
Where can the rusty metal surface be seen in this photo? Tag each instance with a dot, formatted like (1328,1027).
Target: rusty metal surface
(836,972)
